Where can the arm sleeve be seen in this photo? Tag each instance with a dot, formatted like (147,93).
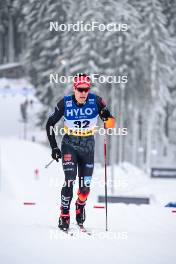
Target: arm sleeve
(52,120)
(103,111)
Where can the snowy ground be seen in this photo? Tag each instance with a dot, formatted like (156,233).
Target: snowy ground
(137,234)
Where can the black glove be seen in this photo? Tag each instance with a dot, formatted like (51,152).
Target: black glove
(56,154)
(105,113)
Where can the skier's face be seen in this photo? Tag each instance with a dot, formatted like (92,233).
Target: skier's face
(81,93)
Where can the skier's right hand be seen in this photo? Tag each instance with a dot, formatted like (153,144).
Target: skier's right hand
(56,154)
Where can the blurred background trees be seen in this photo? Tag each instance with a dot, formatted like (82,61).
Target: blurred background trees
(145,105)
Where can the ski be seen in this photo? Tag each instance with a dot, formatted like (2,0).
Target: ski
(74,232)
(84,230)
(67,231)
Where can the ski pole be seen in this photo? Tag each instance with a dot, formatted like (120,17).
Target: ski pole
(105,163)
(48,164)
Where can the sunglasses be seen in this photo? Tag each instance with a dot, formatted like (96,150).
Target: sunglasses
(81,90)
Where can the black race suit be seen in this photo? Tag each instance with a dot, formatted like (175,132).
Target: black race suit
(77,154)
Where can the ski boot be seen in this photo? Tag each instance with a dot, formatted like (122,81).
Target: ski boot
(80,212)
(64,221)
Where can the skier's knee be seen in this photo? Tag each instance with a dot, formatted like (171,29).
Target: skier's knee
(85,190)
(70,175)
(69,183)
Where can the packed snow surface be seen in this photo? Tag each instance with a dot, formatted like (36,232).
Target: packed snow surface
(29,234)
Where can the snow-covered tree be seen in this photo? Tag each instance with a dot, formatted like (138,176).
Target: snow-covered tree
(8,17)
(145,53)
(156,47)
(43,46)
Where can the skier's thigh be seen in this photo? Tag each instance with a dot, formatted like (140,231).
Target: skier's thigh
(69,162)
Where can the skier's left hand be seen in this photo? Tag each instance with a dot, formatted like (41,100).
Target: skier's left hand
(105,114)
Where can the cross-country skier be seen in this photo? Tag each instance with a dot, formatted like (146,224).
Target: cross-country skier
(80,111)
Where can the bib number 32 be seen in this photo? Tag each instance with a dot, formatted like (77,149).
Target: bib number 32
(82,124)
